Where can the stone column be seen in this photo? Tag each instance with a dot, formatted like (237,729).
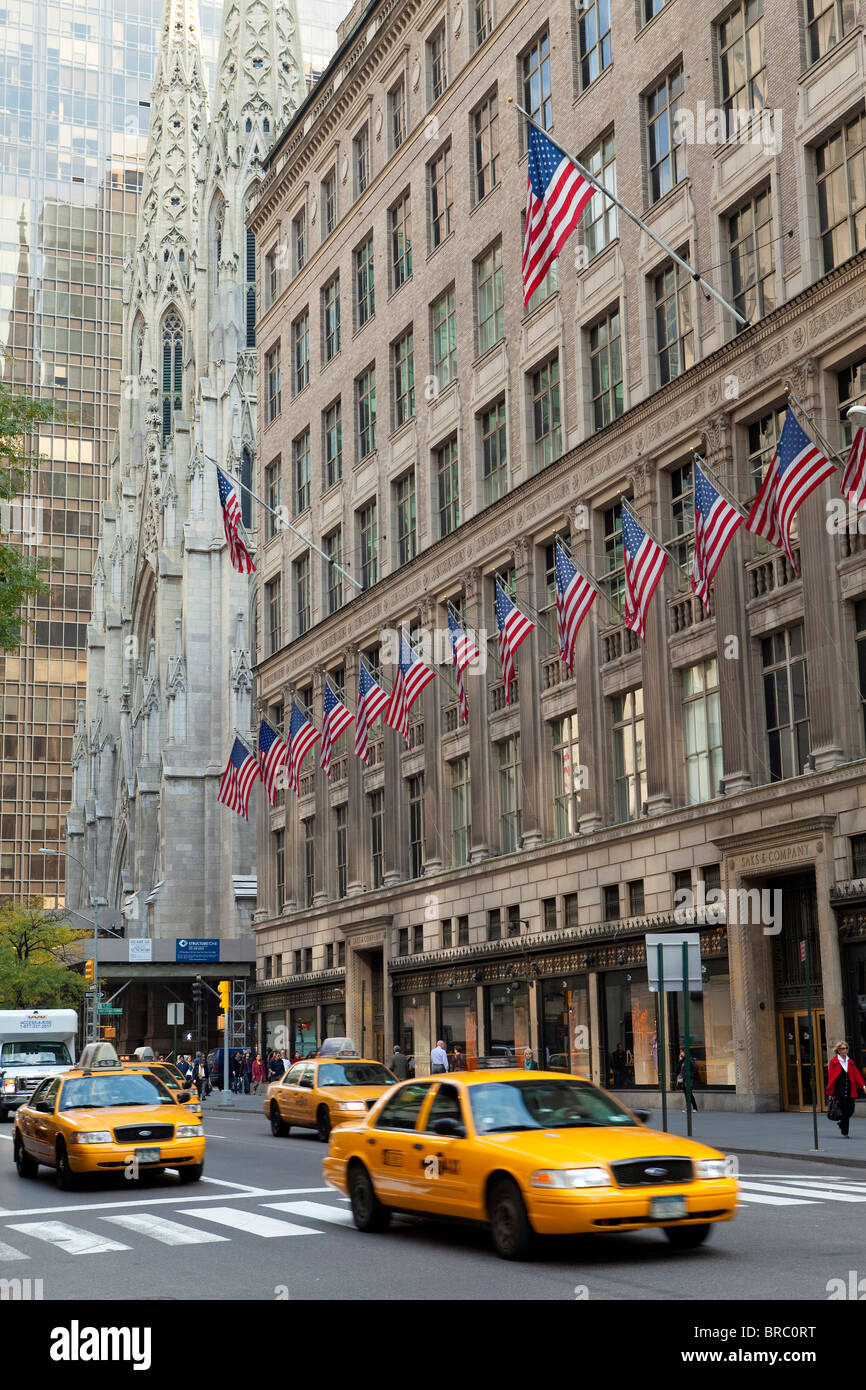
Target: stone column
(323,860)
(828,937)
(589,700)
(528,666)
(596,1041)
(479,733)
(753,1015)
(656,668)
(356,812)
(294,847)
(434,838)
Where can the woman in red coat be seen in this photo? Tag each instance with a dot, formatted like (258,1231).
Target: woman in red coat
(843,1083)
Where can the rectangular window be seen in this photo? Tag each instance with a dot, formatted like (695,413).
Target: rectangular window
(858,856)
(447,477)
(272,276)
(332,436)
(418,938)
(494,925)
(629,754)
(364,293)
(368,545)
(402,941)
(445,933)
(462,931)
(513,922)
(546,432)
(461,812)
(301,467)
(548,914)
(610,902)
(605,360)
(416,826)
(329,203)
(650,8)
(333,548)
(786,702)
(598,224)
(365,398)
(850,390)
(535,73)
(274,607)
(441,196)
(764,435)
(547,636)
(494,453)
(309,876)
(404,379)
(485,146)
(273,497)
(827,21)
(549,285)
(673,315)
(741,58)
(361,152)
(397,109)
(377,838)
(301,351)
(299,241)
(510,794)
(665,143)
(840,165)
(683,514)
(331,318)
(400,223)
(750,237)
(302,594)
(569,906)
(635,898)
(274,376)
(407,536)
(490,296)
(437,63)
(444,322)
(566,775)
(702,731)
(484,20)
(593,40)
(341,851)
(329,948)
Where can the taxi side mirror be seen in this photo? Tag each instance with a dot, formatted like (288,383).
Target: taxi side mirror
(643,1116)
(453,1129)
(183,1097)
(307,1083)
(43,1107)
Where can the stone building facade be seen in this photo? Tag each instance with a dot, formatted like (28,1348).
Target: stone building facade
(492,883)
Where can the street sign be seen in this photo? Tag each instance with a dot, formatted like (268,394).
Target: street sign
(672,943)
(108,1009)
(195,950)
(140,948)
(175,1014)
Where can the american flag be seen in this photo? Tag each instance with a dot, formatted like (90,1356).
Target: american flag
(716,520)
(556,195)
(302,737)
(513,626)
(336,718)
(237,780)
(412,676)
(574,598)
(854,477)
(796,469)
(643,560)
(372,700)
(273,752)
(240,556)
(465,652)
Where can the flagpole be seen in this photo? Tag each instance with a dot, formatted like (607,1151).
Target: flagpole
(699,279)
(589,579)
(666,548)
(832,455)
(720,487)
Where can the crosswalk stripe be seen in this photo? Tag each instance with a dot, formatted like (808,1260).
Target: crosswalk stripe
(250,1221)
(802,1190)
(72,1239)
(822,1184)
(167,1232)
(774,1201)
(8,1252)
(317,1211)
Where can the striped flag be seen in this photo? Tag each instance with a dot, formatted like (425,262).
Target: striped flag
(336,718)
(854,477)
(412,676)
(240,556)
(574,598)
(273,752)
(372,700)
(513,626)
(796,469)
(716,520)
(465,651)
(556,195)
(302,737)
(643,560)
(237,780)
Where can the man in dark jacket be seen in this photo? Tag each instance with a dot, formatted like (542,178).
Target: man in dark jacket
(399,1064)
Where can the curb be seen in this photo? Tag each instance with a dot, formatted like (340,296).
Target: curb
(804,1158)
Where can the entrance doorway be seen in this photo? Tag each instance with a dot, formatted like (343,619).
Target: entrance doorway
(372,985)
(795,1036)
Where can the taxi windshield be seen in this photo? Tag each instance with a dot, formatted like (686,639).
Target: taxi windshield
(355,1074)
(502,1106)
(99,1092)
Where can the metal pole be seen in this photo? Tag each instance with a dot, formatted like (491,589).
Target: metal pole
(590,178)
(660,1034)
(812,1077)
(226,1036)
(687,1068)
(363,1013)
(95,906)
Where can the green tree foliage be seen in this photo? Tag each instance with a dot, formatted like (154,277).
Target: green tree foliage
(36,950)
(20,418)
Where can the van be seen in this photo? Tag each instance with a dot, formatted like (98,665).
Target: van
(215,1064)
(34,1044)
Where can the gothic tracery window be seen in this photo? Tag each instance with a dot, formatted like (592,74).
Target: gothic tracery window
(172,370)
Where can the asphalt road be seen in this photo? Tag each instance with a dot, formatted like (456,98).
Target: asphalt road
(262,1225)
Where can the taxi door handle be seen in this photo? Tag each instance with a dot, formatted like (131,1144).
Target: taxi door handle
(417,1146)
(371,1141)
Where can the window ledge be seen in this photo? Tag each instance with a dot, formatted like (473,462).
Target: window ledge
(591,86)
(360,327)
(481,202)
(435,252)
(672,193)
(488,352)
(393,293)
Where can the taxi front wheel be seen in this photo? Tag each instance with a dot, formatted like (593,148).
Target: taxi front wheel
(367,1210)
(65,1176)
(192,1173)
(687,1237)
(323,1124)
(510,1229)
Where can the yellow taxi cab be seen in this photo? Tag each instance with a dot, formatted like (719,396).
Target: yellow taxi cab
(102,1117)
(528,1153)
(326,1090)
(171,1077)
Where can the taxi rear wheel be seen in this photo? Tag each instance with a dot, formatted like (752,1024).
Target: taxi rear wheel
(510,1228)
(323,1123)
(687,1237)
(367,1210)
(27,1166)
(279,1128)
(65,1175)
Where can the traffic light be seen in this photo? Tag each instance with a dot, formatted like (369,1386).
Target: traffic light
(225,988)
(196,990)
(88,971)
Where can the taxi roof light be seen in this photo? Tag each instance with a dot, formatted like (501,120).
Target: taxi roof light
(338,1047)
(99,1056)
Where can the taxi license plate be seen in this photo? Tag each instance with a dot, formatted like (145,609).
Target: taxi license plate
(147,1155)
(665,1208)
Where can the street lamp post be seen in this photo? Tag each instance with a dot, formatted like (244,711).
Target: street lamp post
(94,903)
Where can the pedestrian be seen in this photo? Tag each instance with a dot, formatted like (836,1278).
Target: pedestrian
(458,1061)
(247,1072)
(681,1079)
(275,1067)
(258,1073)
(529,1062)
(284,1061)
(198,1073)
(399,1064)
(438,1058)
(235,1072)
(843,1083)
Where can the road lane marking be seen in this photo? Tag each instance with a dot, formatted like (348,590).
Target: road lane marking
(167,1232)
(241,1186)
(162,1201)
(318,1211)
(774,1201)
(252,1222)
(825,1194)
(72,1239)
(8,1252)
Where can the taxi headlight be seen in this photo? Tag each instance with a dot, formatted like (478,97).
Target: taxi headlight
(571,1177)
(92,1136)
(188,1131)
(350,1105)
(714,1168)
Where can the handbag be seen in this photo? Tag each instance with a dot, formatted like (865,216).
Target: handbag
(834,1110)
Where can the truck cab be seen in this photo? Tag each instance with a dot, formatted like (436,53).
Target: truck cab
(34,1044)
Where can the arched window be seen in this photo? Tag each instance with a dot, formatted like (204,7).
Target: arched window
(247,480)
(251,290)
(217,220)
(138,345)
(172,370)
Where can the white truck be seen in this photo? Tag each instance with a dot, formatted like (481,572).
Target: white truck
(34,1044)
